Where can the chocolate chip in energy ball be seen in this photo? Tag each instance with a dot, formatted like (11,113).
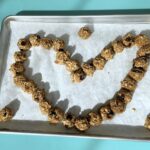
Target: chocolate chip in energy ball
(78,75)
(72,65)
(82,124)
(107,53)
(84,33)
(142,40)
(118,46)
(141,62)
(88,68)
(117,105)
(147,122)
(62,56)
(94,119)
(45,107)
(17,67)
(136,73)
(129,83)
(20,56)
(6,114)
(55,115)
(144,51)
(69,120)
(106,112)
(34,39)
(24,44)
(125,95)
(128,40)
(46,43)
(99,62)
(58,44)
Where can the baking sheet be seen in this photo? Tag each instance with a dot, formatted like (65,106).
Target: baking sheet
(77,98)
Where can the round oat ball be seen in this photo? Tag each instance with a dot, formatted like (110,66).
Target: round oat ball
(107,53)
(55,115)
(82,124)
(99,62)
(46,43)
(94,119)
(89,69)
(20,56)
(62,56)
(144,51)
(141,40)
(129,84)
(19,79)
(118,46)
(58,44)
(147,122)
(117,105)
(17,67)
(44,107)
(6,114)
(72,65)
(69,121)
(78,76)
(34,39)
(24,44)
(136,73)
(84,33)
(38,95)
(128,40)
(124,95)
(106,112)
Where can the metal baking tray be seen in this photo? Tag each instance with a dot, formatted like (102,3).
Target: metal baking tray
(43,128)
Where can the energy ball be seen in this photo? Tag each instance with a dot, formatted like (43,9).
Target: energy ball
(141,40)
(69,121)
(128,40)
(124,95)
(84,33)
(38,95)
(136,73)
(19,79)
(94,119)
(44,107)
(72,65)
(106,112)
(55,115)
(141,62)
(28,86)
(78,75)
(62,56)
(117,46)
(20,56)
(58,44)
(89,69)
(34,39)
(17,67)
(82,124)
(147,122)
(107,53)
(6,114)
(129,83)
(117,105)
(24,44)
(46,43)
(144,51)
(99,62)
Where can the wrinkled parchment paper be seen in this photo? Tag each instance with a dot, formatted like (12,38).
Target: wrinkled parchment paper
(56,80)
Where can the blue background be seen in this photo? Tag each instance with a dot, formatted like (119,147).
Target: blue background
(24,142)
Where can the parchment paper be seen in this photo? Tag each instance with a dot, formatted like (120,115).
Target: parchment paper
(56,80)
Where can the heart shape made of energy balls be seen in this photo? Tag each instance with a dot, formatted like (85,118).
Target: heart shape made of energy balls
(78,72)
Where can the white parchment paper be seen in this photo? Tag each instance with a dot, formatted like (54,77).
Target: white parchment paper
(56,80)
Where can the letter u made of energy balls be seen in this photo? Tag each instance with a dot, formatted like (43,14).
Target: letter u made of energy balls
(108,110)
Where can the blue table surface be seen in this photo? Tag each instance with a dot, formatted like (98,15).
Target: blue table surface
(24,142)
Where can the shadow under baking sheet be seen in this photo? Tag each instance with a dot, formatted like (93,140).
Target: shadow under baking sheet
(104,130)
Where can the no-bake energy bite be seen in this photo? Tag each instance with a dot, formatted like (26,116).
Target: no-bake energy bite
(46,43)
(72,65)
(6,114)
(58,44)
(99,62)
(144,51)
(84,33)
(89,69)
(128,40)
(45,107)
(20,56)
(17,67)
(141,40)
(147,122)
(34,39)
(38,95)
(118,46)
(69,120)
(24,44)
